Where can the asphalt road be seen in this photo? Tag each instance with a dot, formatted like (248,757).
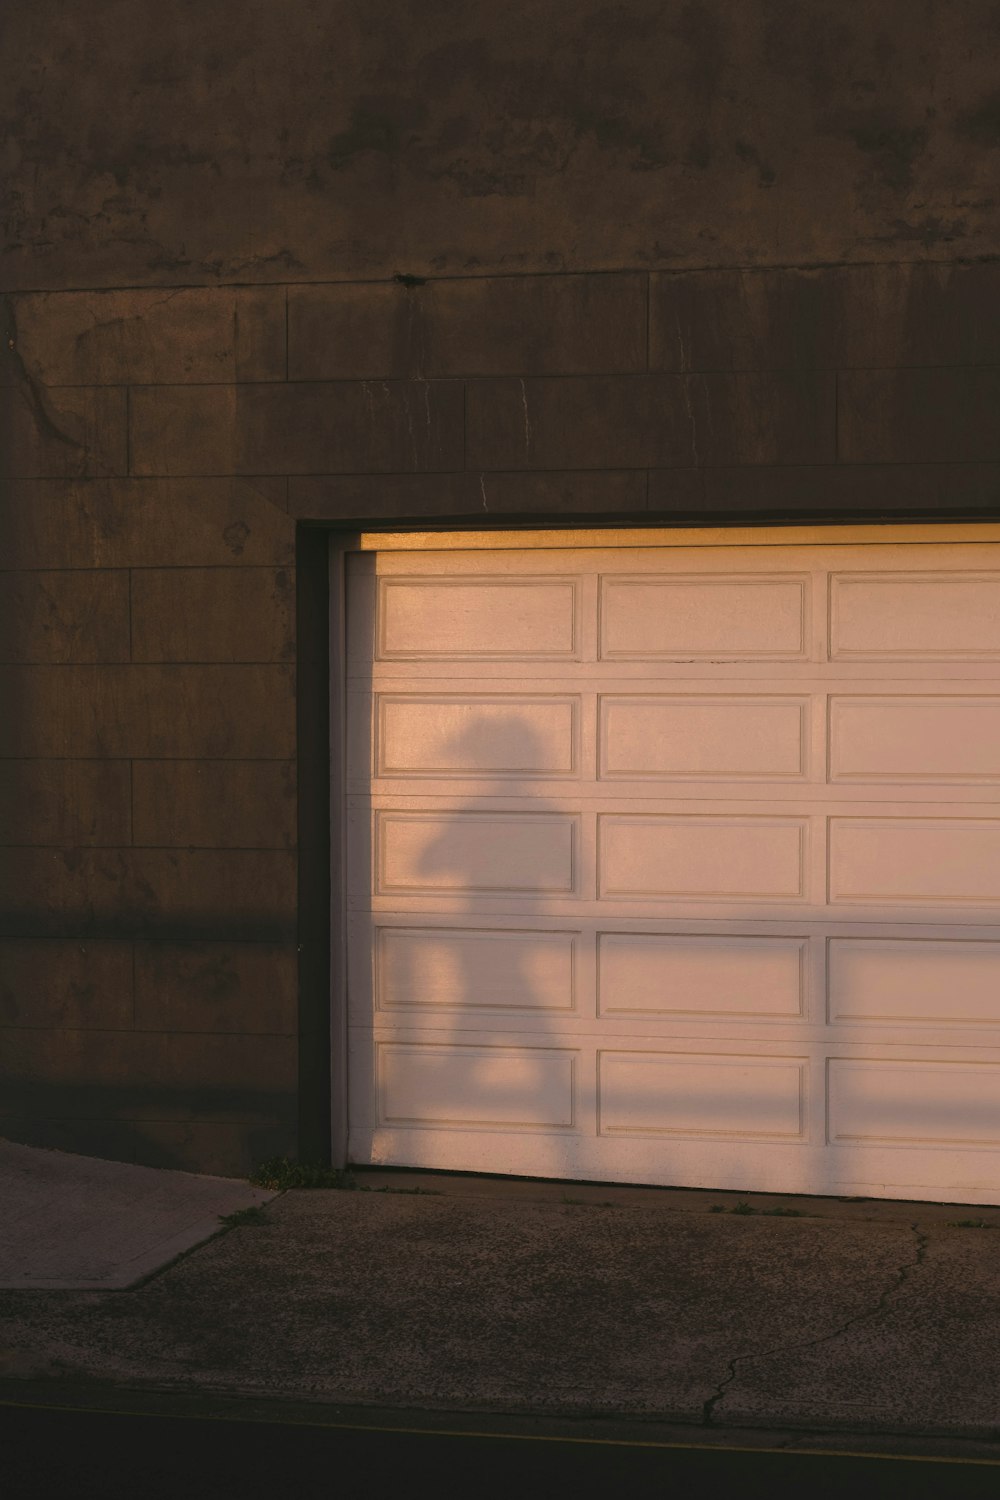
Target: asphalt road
(100,1455)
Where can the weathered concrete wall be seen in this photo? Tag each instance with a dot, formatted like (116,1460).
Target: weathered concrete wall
(270,140)
(148,971)
(204,347)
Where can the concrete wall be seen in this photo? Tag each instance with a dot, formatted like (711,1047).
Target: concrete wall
(259,140)
(664,261)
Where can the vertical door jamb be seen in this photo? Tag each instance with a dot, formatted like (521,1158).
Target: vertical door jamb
(340,545)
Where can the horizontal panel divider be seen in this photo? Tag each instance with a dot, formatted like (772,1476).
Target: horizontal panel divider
(699,798)
(606,801)
(723,1034)
(734,926)
(918,915)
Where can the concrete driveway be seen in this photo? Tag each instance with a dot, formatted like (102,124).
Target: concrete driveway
(474,1295)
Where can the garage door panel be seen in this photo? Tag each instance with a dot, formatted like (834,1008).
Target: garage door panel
(742,977)
(920,981)
(931,861)
(914,1103)
(717,858)
(741,618)
(480,852)
(943,738)
(696,737)
(756,1165)
(461,1087)
(930,615)
(440,618)
(668,1094)
(438,968)
(444,736)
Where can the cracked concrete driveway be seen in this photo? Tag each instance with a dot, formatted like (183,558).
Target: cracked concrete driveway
(612,1303)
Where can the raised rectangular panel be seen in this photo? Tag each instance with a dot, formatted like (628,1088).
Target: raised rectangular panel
(914,1103)
(475,853)
(667,737)
(912,738)
(462,969)
(514,1087)
(926,615)
(470,735)
(914,859)
(649,1093)
(643,974)
(947,983)
(522,619)
(708,858)
(696,617)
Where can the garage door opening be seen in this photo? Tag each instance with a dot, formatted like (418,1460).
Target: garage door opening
(675,858)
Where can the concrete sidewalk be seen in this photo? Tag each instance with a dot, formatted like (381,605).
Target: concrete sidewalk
(73,1222)
(476,1295)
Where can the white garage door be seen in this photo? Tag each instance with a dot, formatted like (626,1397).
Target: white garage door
(678,865)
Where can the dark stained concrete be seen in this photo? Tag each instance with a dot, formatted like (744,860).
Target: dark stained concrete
(247,141)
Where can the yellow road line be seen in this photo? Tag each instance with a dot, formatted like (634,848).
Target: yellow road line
(508,1437)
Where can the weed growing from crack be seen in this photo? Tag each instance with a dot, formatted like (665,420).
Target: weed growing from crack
(744,1209)
(413,1192)
(278,1173)
(243,1216)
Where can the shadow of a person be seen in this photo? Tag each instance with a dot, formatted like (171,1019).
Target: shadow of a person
(481,976)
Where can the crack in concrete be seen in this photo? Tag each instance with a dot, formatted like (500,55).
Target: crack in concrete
(122,319)
(527,421)
(689,410)
(38,401)
(900,1277)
